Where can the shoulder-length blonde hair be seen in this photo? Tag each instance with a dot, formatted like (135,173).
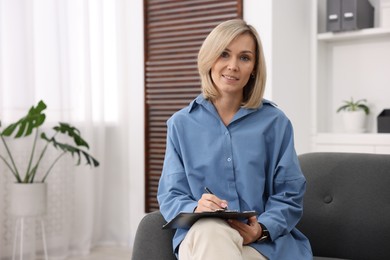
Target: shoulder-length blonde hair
(212,47)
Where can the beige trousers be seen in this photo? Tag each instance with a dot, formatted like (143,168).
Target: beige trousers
(210,239)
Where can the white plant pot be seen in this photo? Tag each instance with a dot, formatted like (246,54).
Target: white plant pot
(28,199)
(354,121)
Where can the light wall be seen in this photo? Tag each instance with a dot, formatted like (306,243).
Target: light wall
(291,66)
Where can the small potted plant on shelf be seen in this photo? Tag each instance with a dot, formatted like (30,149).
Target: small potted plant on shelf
(28,181)
(354,115)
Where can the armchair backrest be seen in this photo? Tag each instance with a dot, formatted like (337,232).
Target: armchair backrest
(347,205)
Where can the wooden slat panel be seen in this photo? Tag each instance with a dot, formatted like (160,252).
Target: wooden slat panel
(174,32)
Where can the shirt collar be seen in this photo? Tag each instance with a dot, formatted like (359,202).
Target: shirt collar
(200,100)
(197,101)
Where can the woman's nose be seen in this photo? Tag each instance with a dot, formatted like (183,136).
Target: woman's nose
(233,65)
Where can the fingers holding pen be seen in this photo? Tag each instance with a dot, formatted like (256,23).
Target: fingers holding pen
(214,200)
(221,203)
(210,202)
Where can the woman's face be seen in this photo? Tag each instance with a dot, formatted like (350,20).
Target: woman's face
(231,72)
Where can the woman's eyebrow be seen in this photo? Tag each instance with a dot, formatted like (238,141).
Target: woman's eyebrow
(247,51)
(244,51)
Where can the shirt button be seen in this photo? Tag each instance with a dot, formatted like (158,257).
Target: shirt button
(229,159)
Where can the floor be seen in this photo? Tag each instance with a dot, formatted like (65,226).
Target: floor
(106,253)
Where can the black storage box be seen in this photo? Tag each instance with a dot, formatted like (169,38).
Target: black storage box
(384,121)
(346,15)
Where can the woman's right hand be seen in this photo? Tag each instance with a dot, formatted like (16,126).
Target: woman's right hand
(210,202)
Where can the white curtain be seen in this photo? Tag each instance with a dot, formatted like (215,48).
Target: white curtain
(72,55)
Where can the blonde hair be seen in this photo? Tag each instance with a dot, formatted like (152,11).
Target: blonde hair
(212,47)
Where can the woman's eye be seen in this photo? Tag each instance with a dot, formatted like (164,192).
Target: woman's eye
(245,58)
(224,54)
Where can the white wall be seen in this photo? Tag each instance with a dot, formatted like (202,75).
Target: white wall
(291,66)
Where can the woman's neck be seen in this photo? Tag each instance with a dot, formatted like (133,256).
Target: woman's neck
(227,108)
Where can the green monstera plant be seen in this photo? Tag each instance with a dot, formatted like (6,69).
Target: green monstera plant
(31,123)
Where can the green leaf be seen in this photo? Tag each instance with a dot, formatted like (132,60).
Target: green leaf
(365,108)
(72,150)
(72,132)
(352,105)
(34,119)
(342,108)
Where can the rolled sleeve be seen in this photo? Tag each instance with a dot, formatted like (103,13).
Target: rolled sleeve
(284,207)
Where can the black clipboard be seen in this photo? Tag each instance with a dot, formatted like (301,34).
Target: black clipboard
(186,220)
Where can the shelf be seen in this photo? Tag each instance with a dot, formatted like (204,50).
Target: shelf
(349,63)
(353,35)
(354,139)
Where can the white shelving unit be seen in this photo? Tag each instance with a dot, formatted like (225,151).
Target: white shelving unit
(370,33)
(344,65)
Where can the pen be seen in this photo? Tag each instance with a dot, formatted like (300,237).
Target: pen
(210,192)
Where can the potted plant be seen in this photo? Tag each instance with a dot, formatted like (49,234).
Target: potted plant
(26,126)
(354,115)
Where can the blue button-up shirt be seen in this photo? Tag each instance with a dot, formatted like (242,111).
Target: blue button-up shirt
(251,163)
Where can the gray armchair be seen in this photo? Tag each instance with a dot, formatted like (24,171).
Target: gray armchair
(151,241)
(346,210)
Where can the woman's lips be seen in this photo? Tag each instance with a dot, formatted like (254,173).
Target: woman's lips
(228,77)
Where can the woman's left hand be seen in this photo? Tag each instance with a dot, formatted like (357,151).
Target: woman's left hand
(250,231)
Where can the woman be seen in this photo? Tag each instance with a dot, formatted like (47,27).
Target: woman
(239,145)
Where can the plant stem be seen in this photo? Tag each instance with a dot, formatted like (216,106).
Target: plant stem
(15,169)
(39,160)
(34,171)
(51,166)
(28,173)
